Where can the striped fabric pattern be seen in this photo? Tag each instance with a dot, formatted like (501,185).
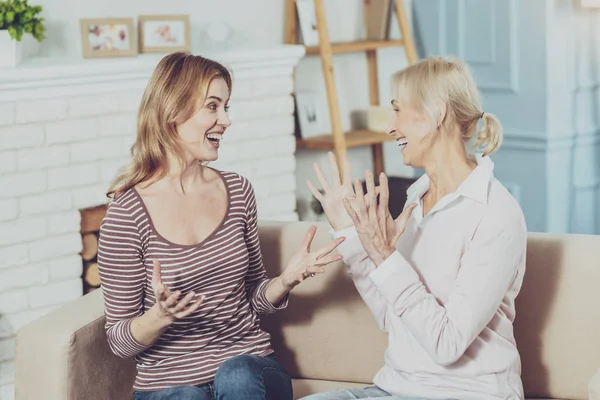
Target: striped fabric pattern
(226,268)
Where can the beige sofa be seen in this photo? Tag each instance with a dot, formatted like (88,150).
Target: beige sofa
(327,337)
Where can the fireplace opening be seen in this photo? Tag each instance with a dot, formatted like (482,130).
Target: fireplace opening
(91,218)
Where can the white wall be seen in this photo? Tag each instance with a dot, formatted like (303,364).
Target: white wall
(257,23)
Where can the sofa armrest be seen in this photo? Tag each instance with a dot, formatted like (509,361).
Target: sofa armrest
(594,388)
(64,355)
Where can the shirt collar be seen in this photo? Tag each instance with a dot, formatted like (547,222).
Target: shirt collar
(475,187)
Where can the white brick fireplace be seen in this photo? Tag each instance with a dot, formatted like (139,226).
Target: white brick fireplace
(65,129)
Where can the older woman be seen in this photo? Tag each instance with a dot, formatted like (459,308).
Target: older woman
(442,279)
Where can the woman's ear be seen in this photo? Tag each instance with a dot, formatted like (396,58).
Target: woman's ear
(442,114)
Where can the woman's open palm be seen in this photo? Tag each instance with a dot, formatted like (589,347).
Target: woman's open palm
(331,199)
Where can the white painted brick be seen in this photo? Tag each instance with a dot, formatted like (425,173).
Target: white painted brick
(60,223)
(130,100)
(285,145)
(242,90)
(74,130)
(17,320)
(43,157)
(126,146)
(285,106)
(7,373)
(65,268)
(7,113)
(89,196)
(55,246)
(11,256)
(277,204)
(41,110)
(84,174)
(275,166)
(261,187)
(13,301)
(7,392)
(21,184)
(86,106)
(21,230)
(7,349)
(256,149)
(110,168)
(8,209)
(243,110)
(55,293)
(6,329)
(45,203)
(8,162)
(281,184)
(21,136)
(273,86)
(23,276)
(117,125)
(96,150)
(267,128)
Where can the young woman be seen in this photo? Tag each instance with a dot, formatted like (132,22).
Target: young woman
(442,279)
(179,256)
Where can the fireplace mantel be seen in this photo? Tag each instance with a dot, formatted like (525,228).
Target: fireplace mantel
(52,77)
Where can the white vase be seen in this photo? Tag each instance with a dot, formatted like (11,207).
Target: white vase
(10,50)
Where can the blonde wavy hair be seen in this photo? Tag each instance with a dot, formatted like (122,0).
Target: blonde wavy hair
(178,85)
(434,81)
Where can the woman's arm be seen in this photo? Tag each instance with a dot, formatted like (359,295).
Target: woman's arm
(359,269)
(265,295)
(494,260)
(123,278)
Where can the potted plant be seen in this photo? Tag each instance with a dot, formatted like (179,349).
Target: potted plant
(18,18)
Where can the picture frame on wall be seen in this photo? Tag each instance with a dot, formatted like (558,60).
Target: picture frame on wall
(307,19)
(108,37)
(164,33)
(309,114)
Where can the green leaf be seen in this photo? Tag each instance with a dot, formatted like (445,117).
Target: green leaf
(10,16)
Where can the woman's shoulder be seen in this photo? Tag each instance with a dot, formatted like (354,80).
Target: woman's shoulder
(235,179)
(503,207)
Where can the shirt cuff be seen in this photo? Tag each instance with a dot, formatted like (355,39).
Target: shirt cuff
(351,249)
(396,280)
(264,306)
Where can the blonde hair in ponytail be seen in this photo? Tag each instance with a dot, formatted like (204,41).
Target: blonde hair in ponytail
(434,81)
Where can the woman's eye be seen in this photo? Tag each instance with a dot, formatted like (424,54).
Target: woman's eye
(226,108)
(213,107)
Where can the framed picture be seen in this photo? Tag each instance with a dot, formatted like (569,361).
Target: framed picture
(108,37)
(164,33)
(309,113)
(307,19)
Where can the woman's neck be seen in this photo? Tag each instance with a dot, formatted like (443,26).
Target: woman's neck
(450,165)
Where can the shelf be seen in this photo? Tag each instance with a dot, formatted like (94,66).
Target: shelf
(356,138)
(361,45)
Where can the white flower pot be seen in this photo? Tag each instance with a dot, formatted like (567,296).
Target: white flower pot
(10,50)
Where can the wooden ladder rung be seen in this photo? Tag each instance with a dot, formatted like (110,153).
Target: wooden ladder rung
(361,45)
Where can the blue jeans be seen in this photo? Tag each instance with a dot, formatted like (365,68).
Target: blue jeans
(245,377)
(371,392)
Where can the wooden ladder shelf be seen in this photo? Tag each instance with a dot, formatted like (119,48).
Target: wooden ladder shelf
(338,140)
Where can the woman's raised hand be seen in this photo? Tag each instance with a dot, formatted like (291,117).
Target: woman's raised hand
(170,307)
(331,199)
(305,264)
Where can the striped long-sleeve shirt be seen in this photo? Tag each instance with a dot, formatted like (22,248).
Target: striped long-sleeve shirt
(226,268)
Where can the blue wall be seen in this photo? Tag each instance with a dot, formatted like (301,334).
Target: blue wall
(537,64)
